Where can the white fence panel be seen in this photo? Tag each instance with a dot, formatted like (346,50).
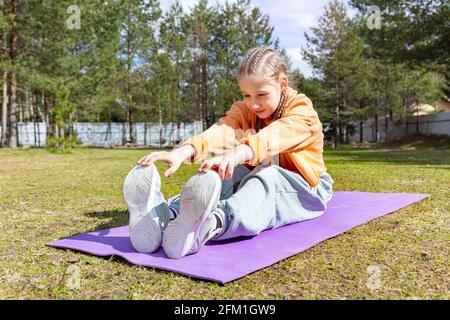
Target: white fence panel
(107,134)
(438,123)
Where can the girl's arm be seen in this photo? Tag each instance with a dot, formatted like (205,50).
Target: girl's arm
(174,158)
(185,152)
(225,164)
(221,136)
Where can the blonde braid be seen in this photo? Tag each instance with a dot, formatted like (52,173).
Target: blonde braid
(245,62)
(274,64)
(256,60)
(277,113)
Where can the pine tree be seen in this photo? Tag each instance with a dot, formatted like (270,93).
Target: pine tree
(174,61)
(4,59)
(137,35)
(335,52)
(10,35)
(117,67)
(414,32)
(239,27)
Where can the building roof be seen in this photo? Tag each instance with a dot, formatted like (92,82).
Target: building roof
(424,108)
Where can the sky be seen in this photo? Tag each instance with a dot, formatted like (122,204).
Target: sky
(290,19)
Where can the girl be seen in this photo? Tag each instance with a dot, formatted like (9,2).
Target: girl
(266,169)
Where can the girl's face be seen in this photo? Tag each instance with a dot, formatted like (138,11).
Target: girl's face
(261,96)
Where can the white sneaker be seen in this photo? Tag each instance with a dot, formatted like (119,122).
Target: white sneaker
(149,211)
(196,223)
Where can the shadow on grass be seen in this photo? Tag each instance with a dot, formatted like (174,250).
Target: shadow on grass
(116,218)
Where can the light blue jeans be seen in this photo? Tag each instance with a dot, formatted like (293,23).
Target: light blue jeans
(266,197)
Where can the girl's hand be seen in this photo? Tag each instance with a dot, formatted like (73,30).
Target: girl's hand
(174,158)
(224,165)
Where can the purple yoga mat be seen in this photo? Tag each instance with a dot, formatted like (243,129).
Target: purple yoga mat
(225,261)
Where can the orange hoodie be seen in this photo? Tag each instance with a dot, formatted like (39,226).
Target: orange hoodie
(294,141)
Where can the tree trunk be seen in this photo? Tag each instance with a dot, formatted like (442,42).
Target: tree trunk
(361,131)
(48,128)
(55,130)
(29,114)
(38,118)
(20,111)
(386,126)
(376,128)
(204,86)
(405,115)
(34,116)
(160,125)
(197,76)
(344,131)
(145,133)
(61,131)
(338,126)
(130,124)
(38,131)
(178,136)
(124,134)
(129,94)
(338,109)
(4,136)
(150,134)
(70,125)
(417,115)
(13,143)
(199,95)
(109,124)
(214,105)
(4,133)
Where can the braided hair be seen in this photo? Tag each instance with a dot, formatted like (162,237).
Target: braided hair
(265,62)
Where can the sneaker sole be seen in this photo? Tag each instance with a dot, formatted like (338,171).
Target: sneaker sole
(139,191)
(180,235)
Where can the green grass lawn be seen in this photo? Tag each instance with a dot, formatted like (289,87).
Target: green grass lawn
(45,197)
